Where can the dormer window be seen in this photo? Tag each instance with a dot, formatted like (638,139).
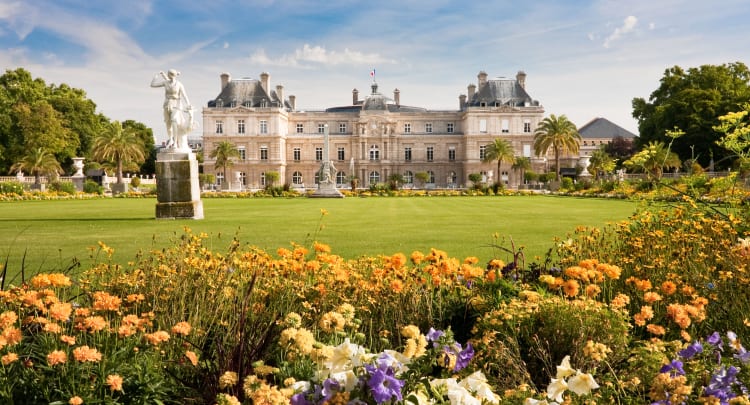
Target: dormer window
(263,103)
(246,104)
(219,103)
(233,104)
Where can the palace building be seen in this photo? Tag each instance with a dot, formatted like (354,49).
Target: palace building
(372,138)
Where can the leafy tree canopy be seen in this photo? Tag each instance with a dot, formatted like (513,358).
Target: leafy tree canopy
(692,100)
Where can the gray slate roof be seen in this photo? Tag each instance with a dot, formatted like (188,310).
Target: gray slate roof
(245,92)
(604,128)
(501,91)
(376,102)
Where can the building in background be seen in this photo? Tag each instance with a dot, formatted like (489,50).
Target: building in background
(373,137)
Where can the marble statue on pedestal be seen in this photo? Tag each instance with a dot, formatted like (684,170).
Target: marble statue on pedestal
(178,113)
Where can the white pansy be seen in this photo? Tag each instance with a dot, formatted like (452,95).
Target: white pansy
(476,383)
(556,388)
(582,383)
(564,369)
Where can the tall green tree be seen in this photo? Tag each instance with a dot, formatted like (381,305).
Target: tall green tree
(500,150)
(653,160)
(692,100)
(223,154)
(558,133)
(521,164)
(118,145)
(145,136)
(38,162)
(42,126)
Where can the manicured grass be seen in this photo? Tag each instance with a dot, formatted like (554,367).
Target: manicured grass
(52,233)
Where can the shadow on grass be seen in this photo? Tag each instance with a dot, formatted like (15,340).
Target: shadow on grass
(77,219)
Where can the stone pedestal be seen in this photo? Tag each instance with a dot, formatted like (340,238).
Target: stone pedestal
(327,190)
(177,189)
(78,181)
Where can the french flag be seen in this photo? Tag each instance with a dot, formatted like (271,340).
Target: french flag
(372,73)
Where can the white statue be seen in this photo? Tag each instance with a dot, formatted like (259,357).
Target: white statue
(178,113)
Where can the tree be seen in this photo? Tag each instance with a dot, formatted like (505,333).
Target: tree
(118,145)
(223,154)
(692,100)
(522,164)
(271,178)
(476,179)
(499,150)
(43,126)
(557,133)
(620,149)
(423,177)
(601,162)
(653,159)
(395,181)
(38,162)
(145,137)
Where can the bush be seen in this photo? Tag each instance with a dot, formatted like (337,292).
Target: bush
(11,187)
(62,187)
(566,183)
(92,187)
(135,181)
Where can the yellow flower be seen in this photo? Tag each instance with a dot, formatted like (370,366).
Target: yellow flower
(103,301)
(226,399)
(76,400)
(8,358)
(60,311)
(157,337)
(95,323)
(57,357)
(12,335)
(182,328)
(86,354)
(570,288)
(410,331)
(192,357)
(228,379)
(70,340)
(7,318)
(114,382)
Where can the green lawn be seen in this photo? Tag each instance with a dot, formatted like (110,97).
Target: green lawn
(51,233)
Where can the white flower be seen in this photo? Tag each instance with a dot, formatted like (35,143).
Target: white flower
(556,388)
(582,383)
(476,383)
(347,379)
(564,369)
(532,401)
(346,356)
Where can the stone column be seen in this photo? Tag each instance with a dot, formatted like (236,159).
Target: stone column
(177,190)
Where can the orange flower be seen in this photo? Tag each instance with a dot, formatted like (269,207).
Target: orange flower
(656,329)
(75,401)
(7,318)
(668,287)
(321,247)
(115,382)
(570,288)
(126,330)
(50,280)
(650,297)
(157,337)
(496,264)
(620,301)
(609,270)
(57,357)
(8,358)
(192,357)
(60,311)
(103,301)
(95,323)
(85,353)
(70,340)
(52,328)
(182,328)
(592,290)
(131,298)
(396,286)
(12,335)
(417,257)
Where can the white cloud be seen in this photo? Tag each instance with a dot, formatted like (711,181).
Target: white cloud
(226,45)
(627,26)
(319,55)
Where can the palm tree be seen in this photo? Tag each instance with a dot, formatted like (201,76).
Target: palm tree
(118,145)
(38,162)
(653,159)
(223,154)
(601,162)
(558,133)
(500,150)
(522,164)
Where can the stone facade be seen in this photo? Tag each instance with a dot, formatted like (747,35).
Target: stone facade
(373,137)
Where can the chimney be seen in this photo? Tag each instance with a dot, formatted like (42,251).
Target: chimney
(293,102)
(355,96)
(280,94)
(397,97)
(521,79)
(471,89)
(481,78)
(225,79)
(461,101)
(265,80)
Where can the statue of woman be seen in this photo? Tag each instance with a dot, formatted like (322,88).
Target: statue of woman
(176,106)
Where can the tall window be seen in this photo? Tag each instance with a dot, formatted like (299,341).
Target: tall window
(296,178)
(407,154)
(219,127)
(428,127)
(319,154)
(483,126)
(219,179)
(240,126)
(526,150)
(262,179)
(451,153)
(241,150)
(342,128)
(243,179)
(449,127)
(431,175)
(482,152)
(407,128)
(264,153)
(527,126)
(374,177)
(340,153)
(297,154)
(430,153)
(408,177)
(505,126)
(374,152)
(340,178)
(321,128)
(263,126)
(300,128)
(452,177)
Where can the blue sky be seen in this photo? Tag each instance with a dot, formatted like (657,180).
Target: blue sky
(583,58)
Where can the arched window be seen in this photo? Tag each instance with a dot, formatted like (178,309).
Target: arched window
(297,178)
(452,178)
(340,178)
(219,178)
(408,177)
(374,177)
(243,178)
(263,179)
